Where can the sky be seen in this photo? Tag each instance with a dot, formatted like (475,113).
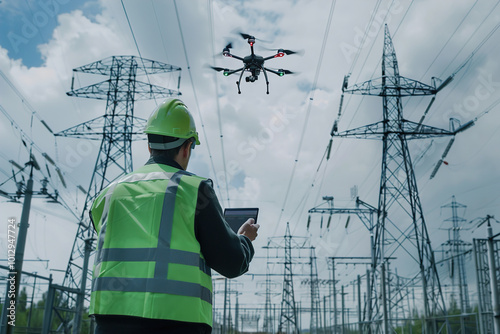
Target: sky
(270,148)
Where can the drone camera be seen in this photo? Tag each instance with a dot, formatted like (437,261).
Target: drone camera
(251,78)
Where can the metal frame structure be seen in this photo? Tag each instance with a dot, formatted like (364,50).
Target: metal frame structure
(487,263)
(115,129)
(401,228)
(456,250)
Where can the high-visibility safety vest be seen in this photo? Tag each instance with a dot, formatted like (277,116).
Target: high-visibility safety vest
(148,262)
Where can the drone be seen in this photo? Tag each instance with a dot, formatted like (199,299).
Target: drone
(253,63)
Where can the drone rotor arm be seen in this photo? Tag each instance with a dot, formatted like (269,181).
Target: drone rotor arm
(236,57)
(281,72)
(233,71)
(270,57)
(273,71)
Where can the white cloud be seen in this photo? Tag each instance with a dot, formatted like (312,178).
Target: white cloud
(262,132)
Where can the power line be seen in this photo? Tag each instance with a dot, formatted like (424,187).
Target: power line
(196,98)
(365,35)
(211,25)
(313,89)
(160,31)
(25,102)
(161,35)
(470,37)
(137,46)
(451,36)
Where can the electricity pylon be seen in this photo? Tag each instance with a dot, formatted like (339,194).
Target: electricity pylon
(288,316)
(401,226)
(115,129)
(457,248)
(288,312)
(315,323)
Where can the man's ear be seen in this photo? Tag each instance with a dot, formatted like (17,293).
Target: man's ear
(186,147)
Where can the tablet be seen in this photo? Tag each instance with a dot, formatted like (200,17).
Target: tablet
(236,217)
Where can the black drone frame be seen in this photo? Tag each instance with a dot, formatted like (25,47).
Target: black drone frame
(253,63)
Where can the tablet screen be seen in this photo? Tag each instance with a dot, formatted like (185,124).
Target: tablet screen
(236,217)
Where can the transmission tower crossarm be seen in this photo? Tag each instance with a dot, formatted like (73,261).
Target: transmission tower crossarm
(140,90)
(104,66)
(392,86)
(411,130)
(95,91)
(146,91)
(414,130)
(154,67)
(339,210)
(93,129)
(366,205)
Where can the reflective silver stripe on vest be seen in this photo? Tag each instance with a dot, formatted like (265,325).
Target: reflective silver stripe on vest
(163,255)
(157,285)
(150,254)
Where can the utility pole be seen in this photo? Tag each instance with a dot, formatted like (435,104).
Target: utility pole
(495,301)
(19,240)
(365,213)
(399,200)
(360,327)
(334,296)
(115,130)
(342,293)
(19,254)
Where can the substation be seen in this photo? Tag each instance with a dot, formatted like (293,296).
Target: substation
(453,286)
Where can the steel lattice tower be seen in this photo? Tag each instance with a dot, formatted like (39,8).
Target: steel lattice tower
(115,129)
(315,298)
(401,229)
(457,249)
(288,314)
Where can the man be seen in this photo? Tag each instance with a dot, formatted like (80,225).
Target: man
(160,231)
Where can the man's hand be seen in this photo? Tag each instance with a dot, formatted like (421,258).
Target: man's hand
(249,229)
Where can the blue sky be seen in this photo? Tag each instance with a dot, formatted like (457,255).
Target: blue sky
(28,23)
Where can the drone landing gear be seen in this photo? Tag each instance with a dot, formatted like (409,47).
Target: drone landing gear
(239,81)
(267,81)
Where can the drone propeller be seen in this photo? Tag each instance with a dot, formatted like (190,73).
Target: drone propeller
(246,36)
(218,69)
(281,72)
(286,52)
(226,51)
(291,52)
(250,38)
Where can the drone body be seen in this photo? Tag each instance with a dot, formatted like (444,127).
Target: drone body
(252,63)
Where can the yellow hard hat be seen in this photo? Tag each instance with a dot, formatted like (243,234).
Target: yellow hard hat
(173,119)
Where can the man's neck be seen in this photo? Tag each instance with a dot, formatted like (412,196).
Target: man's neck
(160,159)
